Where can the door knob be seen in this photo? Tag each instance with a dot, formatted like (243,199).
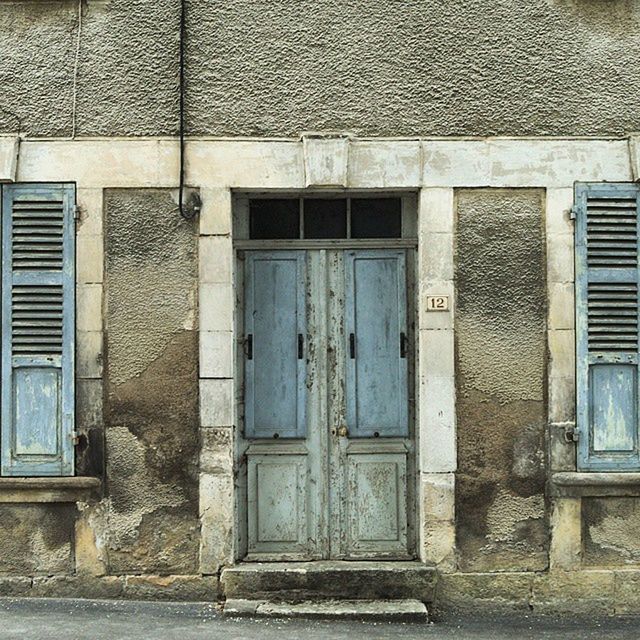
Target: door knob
(343,432)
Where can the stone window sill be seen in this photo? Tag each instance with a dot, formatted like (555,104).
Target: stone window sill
(80,489)
(571,484)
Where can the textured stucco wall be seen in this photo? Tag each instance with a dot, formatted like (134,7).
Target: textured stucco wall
(500,372)
(610,531)
(277,67)
(36,67)
(152,385)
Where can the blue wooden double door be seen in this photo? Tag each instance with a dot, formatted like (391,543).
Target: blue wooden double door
(327,445)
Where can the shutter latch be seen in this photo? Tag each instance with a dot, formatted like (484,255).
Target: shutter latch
(571,434)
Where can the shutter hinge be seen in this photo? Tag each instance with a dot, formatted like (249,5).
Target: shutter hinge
(571,434)
(573,213)
(76,212)
(75,438)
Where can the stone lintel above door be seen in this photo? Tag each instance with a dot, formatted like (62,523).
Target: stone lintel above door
(326,159)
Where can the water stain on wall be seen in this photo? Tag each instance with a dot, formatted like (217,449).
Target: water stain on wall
(151,411)
(610,531)
(500,373)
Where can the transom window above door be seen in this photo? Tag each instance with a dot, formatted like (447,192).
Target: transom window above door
(325,218)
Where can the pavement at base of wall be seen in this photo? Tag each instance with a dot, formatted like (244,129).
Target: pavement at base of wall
(52,619)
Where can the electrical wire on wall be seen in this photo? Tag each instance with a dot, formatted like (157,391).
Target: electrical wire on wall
(189,208)
(76,63)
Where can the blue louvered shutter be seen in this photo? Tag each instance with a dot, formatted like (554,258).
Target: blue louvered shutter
(38,325)
(607,326)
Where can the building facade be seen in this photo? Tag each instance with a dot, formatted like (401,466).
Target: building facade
(396,328)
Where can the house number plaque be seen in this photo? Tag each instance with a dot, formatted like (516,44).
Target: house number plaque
(437,303)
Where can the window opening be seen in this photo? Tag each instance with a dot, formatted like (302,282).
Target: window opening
(376,218)
(274,219)
(325,218)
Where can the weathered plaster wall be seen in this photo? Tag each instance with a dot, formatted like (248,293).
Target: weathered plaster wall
(36,539)
(500,376)
(610,531)
(375,68)
(152,385)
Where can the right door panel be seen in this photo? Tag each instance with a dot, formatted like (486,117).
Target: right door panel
(376,498)
(376,334)
(371,455)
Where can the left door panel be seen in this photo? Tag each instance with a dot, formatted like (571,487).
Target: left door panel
(275,404)
(275,344)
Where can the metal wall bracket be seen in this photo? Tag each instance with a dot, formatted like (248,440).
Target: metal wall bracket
(571,434)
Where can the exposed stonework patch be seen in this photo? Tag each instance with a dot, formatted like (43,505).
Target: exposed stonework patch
(610,531)
(90,555)
(465,591)
(508,512)
(134,492)
(186,588)
(152,437)
(500,371)
(36,539)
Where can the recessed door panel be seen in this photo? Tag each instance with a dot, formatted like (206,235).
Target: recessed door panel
(614,398)
(275,341)
(376,501)
(277,488)
(377,345)
(36,403)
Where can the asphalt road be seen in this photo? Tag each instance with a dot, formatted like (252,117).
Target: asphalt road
(110,620)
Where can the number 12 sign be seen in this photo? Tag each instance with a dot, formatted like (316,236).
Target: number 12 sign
(437,303)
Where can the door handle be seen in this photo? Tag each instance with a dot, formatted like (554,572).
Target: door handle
(249,346)
(403,345)
(343,432)
(300,346)
(352,346)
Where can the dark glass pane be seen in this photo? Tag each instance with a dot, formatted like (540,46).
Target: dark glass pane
(274,219)
(376,218)
(325,218)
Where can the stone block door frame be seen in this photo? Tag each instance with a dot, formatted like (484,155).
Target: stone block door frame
(298,167)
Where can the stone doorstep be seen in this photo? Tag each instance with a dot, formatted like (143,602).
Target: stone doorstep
(329,580)
(406,610)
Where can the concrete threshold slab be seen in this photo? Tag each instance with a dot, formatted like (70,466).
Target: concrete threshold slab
(329,580)
(407,610)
